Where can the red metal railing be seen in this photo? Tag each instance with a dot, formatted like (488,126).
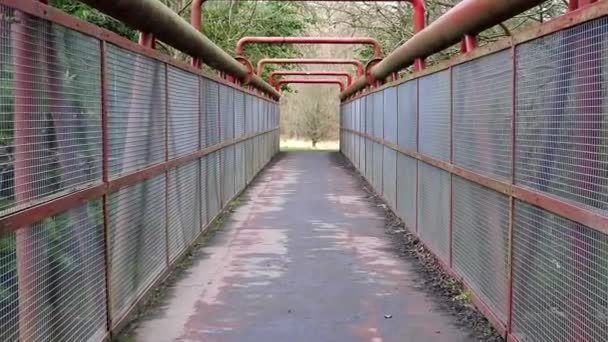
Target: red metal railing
(313,61)
(271,76)
(309,81)
(508,140)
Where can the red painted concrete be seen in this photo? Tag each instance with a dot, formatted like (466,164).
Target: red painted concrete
(304,258)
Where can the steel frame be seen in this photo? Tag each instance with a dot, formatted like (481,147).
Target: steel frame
(309,81)
(271,76)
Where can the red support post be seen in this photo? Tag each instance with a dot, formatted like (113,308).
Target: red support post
(196,22)
(147,40)
(468,43)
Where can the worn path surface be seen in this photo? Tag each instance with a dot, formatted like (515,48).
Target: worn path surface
(304,258)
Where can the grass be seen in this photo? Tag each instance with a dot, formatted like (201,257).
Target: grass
(292,145)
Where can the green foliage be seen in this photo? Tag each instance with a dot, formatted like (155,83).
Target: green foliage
(86,13)
(225,22)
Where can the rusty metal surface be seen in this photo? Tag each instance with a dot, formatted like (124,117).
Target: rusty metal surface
(304,258)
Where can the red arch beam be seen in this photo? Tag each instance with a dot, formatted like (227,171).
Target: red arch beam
(357,63)
(310,81)
(240,45)
(349,78)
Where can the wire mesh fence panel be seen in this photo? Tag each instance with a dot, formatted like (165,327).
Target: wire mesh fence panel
(406,190)
(561,114)
(211,112)
(389,183)
(434,209)
(249,159)
(137,241)
(378,157)
(482,104)
(249,101)
(9,301)
(239,114)
(378,114)
(184,207)
(204,191)
(560,278)
(239,166)
(184,112)
(50,123)
(390,114)
(136,110)
(226,112)
(407,116)
(60,269)
(434,106)
(230,171)
(480,242)
(213,188)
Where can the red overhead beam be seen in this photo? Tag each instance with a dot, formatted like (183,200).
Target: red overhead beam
(310,81)
(357,63)
(349,78)
(240,45)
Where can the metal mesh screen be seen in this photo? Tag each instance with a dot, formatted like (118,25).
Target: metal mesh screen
(378,114)
(183,95)
(483,101)
(369,119)
(561,121)
(9,302)
(249,101)
(60,267)
(434,208)
(226,112)
(389,182)
(205,217)
(228,169)
(434,106)
(480,242)
(184,207)
(407,94)
(213,189)
(50,124)
(136,110)
(137,232)
(211,112)
(239,166)
(390,114)
(406,190)
(560,278)
(378,158)
(239,114)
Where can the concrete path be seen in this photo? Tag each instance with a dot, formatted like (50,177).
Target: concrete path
(304,258)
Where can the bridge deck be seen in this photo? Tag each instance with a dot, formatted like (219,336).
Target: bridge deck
(303,258)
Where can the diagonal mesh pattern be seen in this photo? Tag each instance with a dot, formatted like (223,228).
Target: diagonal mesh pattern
(434,209)
(61,273)
(480,242)
(184,113)
(561,121)
(50,123)
(211,112)
(560,278)
(407,94)
(136,110)
(434,125)
(138,246)
(184,207)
